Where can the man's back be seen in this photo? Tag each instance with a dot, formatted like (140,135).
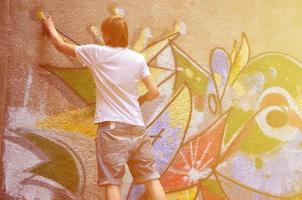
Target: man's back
(116,72)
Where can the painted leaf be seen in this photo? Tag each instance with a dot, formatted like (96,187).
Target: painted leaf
(61,166)
(79,80)
(241,59)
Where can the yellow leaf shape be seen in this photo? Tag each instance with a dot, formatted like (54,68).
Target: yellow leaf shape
(234,51)
(40,15)
(241,59)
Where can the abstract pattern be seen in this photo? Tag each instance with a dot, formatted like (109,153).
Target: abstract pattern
(230,130)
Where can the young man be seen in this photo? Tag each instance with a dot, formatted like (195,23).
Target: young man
(121,135)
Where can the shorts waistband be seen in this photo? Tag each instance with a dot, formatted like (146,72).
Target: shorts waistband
(115,123)
(108,123)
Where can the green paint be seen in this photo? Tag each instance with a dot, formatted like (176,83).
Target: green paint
(288,72)
(213,187)
(197,81)
(79,79)
(61,167)
(237,119)
(258,162)
(257,143)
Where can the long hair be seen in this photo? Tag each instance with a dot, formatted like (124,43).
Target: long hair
(115,31)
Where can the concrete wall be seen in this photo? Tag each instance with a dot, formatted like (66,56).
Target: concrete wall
(226,126)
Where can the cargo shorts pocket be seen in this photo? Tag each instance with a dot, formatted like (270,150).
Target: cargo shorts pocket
(113,151)
(114,158)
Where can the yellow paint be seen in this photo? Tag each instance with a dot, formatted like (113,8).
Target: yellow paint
(189,73)
(239,89)
(276,118)
(190,69)
(79,121)
(212,187)
(40,15)
(237,118)
(298,101)
(299,197)
(187,194)
(234,51)
(294,119)
(258,162)
(257,143)
(179,110)
(240,60)
(217,78)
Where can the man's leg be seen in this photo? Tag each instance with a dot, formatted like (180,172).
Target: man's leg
(142,164)
(112,155)
(113,192)
(155,190)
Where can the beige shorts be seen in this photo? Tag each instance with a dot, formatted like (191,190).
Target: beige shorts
(118,144)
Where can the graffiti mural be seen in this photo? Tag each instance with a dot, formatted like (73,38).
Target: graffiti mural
(226,131)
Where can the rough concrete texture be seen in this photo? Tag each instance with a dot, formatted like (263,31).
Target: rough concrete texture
(226,126)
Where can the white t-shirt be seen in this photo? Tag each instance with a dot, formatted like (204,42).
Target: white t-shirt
(116,72)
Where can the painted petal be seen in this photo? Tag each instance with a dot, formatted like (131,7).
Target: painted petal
(199,154)
(220,65)
(241,59)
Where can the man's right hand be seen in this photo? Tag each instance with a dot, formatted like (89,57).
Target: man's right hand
(152,92)
(141,100)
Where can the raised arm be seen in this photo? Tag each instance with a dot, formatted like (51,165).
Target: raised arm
(62,46)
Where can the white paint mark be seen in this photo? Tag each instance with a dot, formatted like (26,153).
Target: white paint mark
(181,27)
(273,72)
(166,59)
(120,11)
(22,117)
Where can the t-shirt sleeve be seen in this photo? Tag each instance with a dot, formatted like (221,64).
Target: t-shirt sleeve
(144,70)
(88,54)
